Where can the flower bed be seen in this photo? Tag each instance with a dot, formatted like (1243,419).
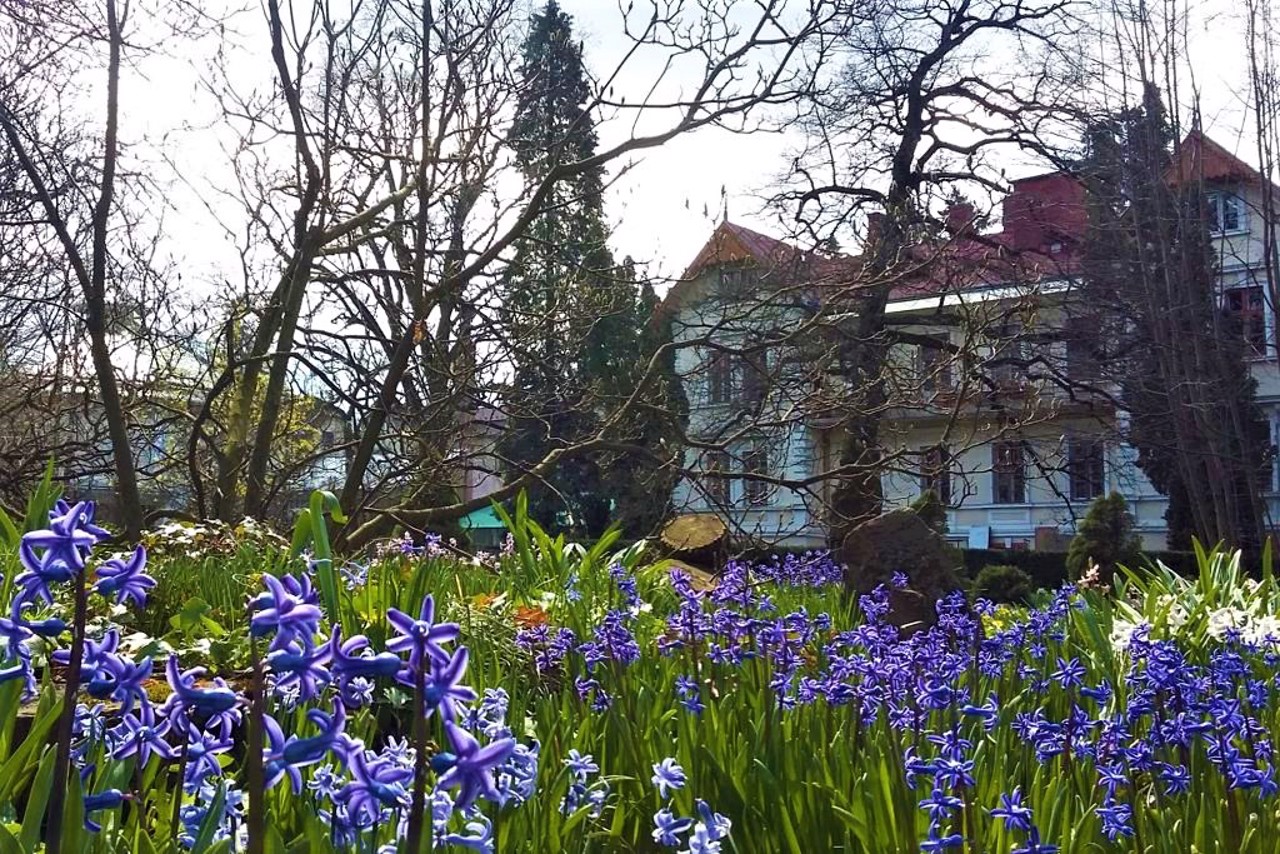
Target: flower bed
(560,698)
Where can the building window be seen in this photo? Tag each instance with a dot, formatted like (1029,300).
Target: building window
(935,473)
(720,378)
(1009,355)
(1225,212)
(755,464)
(1008,473)
(933,361)
(754,379)
(1083,359)
(1246,311)
(716,483)
(1086,468)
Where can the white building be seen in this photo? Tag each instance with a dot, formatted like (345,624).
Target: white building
(1017,457)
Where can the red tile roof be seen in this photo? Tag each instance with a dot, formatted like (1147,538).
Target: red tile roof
(1043,223)
(1199,157)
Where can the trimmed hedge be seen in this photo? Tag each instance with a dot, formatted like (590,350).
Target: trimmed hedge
(1049,569)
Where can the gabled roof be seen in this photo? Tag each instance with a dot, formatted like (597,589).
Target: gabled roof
(1199,157)
(732,243)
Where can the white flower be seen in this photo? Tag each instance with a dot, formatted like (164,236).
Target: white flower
(1122,632)
(1225,620)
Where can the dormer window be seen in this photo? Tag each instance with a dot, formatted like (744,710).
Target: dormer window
(1225,212)
(733,281)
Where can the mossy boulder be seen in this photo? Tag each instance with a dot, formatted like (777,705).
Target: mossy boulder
(901,541)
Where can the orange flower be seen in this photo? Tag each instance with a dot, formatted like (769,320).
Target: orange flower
(529,616)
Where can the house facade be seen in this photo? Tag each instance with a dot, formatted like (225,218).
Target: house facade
(991,404)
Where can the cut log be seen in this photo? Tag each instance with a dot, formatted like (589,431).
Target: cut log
(693,532)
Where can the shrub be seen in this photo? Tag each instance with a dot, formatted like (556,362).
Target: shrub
(1105,537)
(932,511)
(1002,583)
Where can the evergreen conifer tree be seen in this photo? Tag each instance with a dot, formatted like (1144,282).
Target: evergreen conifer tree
(577,322)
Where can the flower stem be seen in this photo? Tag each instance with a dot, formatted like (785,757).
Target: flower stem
(418,806)
(66,721)
(182,777)
(255,776)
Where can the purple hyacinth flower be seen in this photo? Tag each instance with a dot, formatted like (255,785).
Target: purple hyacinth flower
(1035,846)
(289,607)
(203,750)
(140,734)
(377,783)
(125,580)
(1014,814)
(55,554)
(667,776)
(667,828)
(286,755)
(471,766)
(444,691)
(582,767)
(105,800)
(217,704)
(298,665)
(421,637)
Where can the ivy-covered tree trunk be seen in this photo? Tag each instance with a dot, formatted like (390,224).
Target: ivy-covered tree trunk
(1180,366)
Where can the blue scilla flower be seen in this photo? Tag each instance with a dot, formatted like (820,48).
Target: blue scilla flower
(470,766)
(667,777)
(421,638)
(125,580)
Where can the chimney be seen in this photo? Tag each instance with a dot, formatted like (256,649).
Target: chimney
(1044,210)
(960,218)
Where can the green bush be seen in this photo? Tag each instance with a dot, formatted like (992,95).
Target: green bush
(1105,537)
(931,509)
(1002,583)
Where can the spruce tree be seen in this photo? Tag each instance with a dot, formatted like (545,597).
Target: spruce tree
(575,319)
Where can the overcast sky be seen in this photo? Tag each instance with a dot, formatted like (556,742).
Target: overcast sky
(665,206)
